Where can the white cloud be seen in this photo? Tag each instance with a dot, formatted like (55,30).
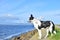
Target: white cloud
(8,17)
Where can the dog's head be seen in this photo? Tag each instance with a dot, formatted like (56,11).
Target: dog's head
(31,18)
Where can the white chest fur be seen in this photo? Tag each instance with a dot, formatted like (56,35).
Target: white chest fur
(36,23)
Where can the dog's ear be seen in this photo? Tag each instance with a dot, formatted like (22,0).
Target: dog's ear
(31,17)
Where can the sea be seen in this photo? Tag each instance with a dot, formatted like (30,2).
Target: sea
(9,31)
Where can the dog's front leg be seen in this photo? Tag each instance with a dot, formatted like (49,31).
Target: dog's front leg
(39,32)
(47,33)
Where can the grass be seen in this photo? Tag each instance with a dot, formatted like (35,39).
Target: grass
(57,36)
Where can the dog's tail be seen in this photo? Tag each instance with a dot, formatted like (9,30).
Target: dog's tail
(54,32)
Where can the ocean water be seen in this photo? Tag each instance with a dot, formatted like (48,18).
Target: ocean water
(8,31)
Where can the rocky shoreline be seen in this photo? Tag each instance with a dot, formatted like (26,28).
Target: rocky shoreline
(25,36)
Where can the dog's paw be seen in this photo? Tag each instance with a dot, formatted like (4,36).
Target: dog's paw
(51,34)
(45,37)
(39,37)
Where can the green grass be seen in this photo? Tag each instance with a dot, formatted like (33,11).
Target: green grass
(57,36)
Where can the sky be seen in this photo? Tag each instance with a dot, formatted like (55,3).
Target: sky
(18,11)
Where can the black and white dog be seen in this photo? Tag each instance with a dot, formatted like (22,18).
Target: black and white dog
(38,24)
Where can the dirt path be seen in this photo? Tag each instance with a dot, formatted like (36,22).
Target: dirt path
(35,37)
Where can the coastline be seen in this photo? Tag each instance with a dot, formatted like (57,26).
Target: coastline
(33,35)
(25,36)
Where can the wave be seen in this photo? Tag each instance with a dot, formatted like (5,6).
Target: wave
(1,39)
(13,35)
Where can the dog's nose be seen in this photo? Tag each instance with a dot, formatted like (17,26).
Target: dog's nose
(29,20)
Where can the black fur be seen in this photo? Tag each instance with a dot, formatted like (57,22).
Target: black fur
(44,24)
(53,28)
(31,17)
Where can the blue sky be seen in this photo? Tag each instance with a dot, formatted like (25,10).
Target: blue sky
(18,11)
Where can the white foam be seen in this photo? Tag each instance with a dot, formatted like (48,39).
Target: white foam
(17,34)
(12,36)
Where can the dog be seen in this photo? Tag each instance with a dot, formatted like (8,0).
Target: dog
(38,24)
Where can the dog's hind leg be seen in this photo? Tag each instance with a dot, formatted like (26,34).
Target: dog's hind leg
(51,29)
(47,33)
